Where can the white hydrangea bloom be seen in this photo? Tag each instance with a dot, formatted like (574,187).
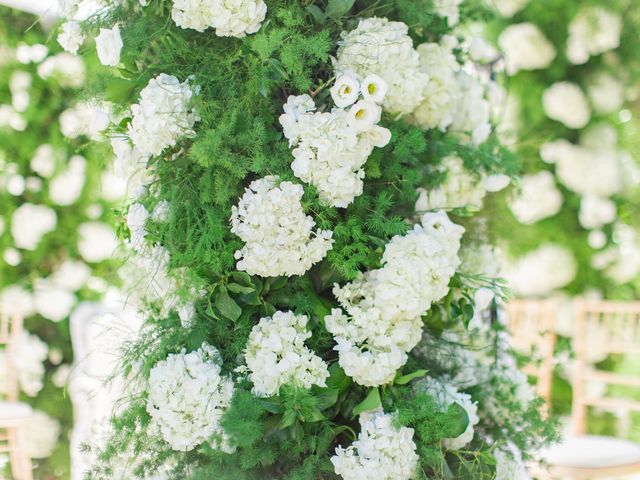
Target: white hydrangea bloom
(471,111)
(29,223)
(188,397)
(71,37)
(276,355)
(566,103)
(278,236)
(42,433)
(440,92)
(446,395)
(449,9)
(27,359)
(97,241)
(52,301)
(329,150)
(229,18)
(68,70)
(66,187)
(384,306)
(460,189)
(384,48)
(541,271)
(596,211)
(525,48)
(162,116)
(136,217)
(593,31)
(131,166)
(606,92)
(382,451)
(537,199)
(508,8)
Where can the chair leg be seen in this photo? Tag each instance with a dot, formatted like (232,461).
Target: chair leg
(20,460)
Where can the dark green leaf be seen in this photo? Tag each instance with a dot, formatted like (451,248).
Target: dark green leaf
(404,379)
(318,16)
(338,8)
(237,288)
(227,305)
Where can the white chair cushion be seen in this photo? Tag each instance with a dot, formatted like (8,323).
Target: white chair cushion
(14,411)
(592,451)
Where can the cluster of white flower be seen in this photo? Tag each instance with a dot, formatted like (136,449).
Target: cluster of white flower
(596,211)
(29,353)
(276,355)
(97,241)
(108,45)
(509,464)
(508,8)
(566,103)
(187,398)
(446,395)
(130,166)
(230,18)
(29,223)
(66,69)
(541,271)
(278,235)
(42,432)
(525,48)
(331,148)
(538,198)
(382,451)
(19,85)
(162,116)
(383,48)
(593,31)
(606,92)
(66,187)
(384,306)
(620,261)
(449,9)
(459,189)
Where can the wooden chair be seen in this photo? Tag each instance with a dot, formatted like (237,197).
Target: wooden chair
(532,324)
(13,413)
(581,456)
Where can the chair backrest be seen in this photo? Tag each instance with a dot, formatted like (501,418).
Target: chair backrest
(532,327)
(10,329)
(608,328)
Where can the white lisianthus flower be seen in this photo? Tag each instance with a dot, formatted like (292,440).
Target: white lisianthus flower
(382,451)
(345,91)
(364,115)
(71,37)
(566,103)
(525,48)
(276,355)
(30,223)
(108,45)
(374,88)
(188,396)
(538,198)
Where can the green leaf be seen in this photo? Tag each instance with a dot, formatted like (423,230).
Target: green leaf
(288,418)
(461,421)
(237,288)
(338,8)
(404,379)
(243,278)
(326,397)
(318,15)
(338,380)
(371,402)
(227,305)
(119,90)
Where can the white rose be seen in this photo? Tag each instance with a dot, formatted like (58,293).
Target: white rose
(109,44)
(345,91)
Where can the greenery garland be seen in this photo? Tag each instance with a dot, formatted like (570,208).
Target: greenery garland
(51,184)
(262,362)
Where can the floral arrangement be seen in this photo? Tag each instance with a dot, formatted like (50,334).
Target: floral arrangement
(55,239)
(303,178)
(574,79)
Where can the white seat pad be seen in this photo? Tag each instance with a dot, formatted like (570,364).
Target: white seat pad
(592,451)
(14,410)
